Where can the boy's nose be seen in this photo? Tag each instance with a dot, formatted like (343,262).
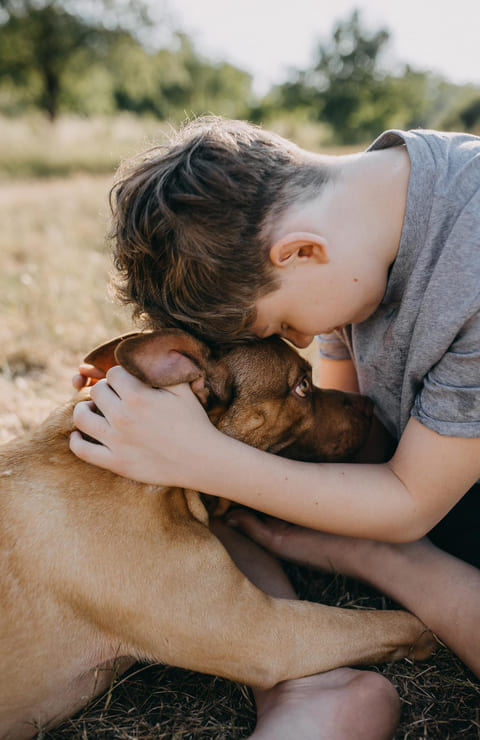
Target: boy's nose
(299,340)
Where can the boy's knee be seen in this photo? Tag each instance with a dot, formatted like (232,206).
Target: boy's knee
(378,699)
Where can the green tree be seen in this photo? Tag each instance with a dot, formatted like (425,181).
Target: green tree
(214,87)
(351,83)
(346,87)
(39,40)
(104,55)
(470,115)
(174,82)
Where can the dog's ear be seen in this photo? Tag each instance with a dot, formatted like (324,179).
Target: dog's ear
(103,356)
(170,356)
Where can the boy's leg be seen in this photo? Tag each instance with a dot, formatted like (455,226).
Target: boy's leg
(442,590)
(336,705)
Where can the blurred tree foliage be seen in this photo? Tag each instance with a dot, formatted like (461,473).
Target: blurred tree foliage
(101,56)
(172,82)
(41,41)
(348,89)
(91,57)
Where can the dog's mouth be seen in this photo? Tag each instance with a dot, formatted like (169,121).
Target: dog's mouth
(278,447)
(341,451)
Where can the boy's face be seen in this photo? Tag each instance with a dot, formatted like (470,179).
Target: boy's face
(297,310)
(315,296)
(276,316)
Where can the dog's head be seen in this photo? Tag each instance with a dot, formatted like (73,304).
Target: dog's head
(259,392)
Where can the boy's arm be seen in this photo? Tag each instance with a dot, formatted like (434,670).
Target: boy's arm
(165,437)
(398,501)
(338,374)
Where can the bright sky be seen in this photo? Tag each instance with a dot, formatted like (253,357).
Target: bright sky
(267,37)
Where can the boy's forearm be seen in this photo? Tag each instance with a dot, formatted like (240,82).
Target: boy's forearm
(356,500)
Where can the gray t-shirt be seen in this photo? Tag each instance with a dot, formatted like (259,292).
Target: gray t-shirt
(419,353)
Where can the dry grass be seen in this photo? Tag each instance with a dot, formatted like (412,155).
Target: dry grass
(53,308)
(33,147)
(53,300)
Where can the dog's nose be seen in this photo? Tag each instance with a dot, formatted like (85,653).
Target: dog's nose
(366,406)
(362,404)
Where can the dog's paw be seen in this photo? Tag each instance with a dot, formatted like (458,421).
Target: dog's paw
(420,643)
(424,645)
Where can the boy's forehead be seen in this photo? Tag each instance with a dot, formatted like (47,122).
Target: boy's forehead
(267,319)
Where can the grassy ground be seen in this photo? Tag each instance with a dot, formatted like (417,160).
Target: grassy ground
(33,147)
(53,301)
(53,309)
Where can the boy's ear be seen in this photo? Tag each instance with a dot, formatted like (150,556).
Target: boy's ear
(299,246)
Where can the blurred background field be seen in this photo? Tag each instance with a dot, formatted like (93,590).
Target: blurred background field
(31,146)
(53,302)
(84,85)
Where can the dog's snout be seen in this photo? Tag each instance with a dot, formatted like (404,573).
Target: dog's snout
(366,406)
(361,404)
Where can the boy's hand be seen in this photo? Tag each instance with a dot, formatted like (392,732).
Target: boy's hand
(86,373)
(329,553)
(156,436)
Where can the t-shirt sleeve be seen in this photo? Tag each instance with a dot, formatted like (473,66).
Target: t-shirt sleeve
(449,400)
(332,347)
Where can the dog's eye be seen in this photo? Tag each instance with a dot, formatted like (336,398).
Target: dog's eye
(303,388)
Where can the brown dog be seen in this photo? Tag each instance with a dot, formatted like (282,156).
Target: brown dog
(97,569)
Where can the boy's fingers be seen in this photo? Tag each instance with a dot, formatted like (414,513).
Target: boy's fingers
(85,373)
(78,381)
(279,537)
(89,451)
(181,389)
(105,397)
(90,371)
(89,422)
(122,382)
(259,530)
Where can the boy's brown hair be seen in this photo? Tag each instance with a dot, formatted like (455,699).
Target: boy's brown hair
(192,224)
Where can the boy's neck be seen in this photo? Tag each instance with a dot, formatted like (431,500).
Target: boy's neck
(375,184)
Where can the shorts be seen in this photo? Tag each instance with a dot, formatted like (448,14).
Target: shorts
(459,532)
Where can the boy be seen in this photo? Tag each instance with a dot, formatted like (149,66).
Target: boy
(233,232)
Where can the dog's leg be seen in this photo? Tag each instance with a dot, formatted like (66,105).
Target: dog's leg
(69,699)
(274,639)
(87,687)
(344,702)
